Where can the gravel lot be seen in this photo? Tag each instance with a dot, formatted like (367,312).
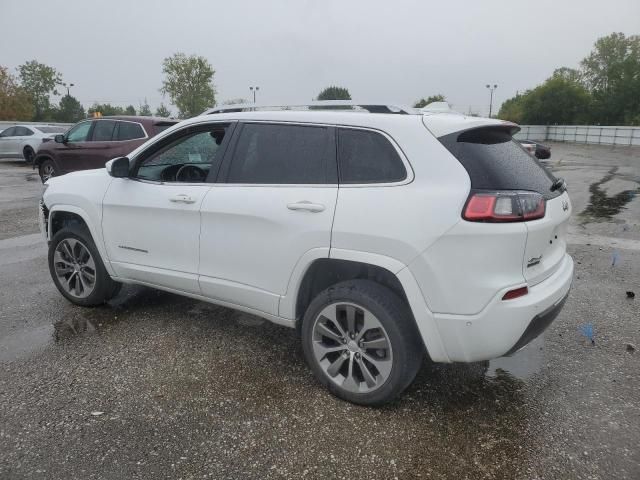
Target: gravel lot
(158,386)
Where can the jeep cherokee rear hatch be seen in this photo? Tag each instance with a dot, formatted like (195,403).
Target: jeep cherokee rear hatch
(509,185)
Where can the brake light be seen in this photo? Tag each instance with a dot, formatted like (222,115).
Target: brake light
(518,292)
(504,206)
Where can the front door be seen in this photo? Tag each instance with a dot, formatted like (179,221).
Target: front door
(69,155)
(151,221)
(274,202)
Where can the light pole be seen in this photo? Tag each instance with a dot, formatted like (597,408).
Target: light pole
(254,90)
(68,87)
(491,89)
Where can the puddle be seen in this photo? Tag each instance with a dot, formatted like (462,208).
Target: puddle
(522,364)
(25,342)
(602,207)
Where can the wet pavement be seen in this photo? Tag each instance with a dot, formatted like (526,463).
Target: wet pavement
(153,385)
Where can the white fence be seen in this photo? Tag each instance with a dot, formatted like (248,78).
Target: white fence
(591,134)
(4,124)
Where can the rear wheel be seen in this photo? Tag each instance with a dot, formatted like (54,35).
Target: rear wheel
(47,170)
(77,270)
(361,342)
(28,154)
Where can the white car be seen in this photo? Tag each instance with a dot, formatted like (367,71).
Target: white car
(381,236)
(22,141)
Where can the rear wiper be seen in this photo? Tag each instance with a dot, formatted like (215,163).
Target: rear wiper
(559,183)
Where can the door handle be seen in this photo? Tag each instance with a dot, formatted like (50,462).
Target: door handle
(182,198)
(308,206)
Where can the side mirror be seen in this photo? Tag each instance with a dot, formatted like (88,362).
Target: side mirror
(59,138)
(118,167)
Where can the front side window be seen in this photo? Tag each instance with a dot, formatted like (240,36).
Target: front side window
(79,133)
(103,131)
(129,131)
(282,154)
(186,157)
(365,156)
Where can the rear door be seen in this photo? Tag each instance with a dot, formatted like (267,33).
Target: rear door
(99,150)
(274,202)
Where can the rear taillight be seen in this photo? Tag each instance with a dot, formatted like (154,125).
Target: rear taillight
(46,139)
(516,293)
(504,206)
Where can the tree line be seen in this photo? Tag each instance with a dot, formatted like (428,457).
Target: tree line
(604,90)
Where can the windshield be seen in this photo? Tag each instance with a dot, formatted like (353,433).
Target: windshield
(52,129)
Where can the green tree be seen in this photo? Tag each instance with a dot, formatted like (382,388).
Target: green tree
(39,81)
(130,110)
(334,93)
(145,109)
(70,110)
(106,109)
(558,101)
(612,74)
(513,108)
(423,102)
(163,111)
(15,103)
(188,80)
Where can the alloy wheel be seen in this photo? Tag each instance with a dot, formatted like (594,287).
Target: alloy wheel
(75,267)
(352,347)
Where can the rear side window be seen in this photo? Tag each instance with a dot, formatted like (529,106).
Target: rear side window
(368,157)
(494,161)
(282,154)
(103,130)
(129,131)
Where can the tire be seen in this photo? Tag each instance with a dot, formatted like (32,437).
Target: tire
(47,169)
(73,261)
(28,154)
(391,366)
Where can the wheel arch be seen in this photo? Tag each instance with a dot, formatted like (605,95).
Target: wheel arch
(41,157)
(62,215)
(321,273)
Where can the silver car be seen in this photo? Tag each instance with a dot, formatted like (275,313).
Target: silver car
(22,141)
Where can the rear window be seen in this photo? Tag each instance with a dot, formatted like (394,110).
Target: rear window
(368,157)
(103,130)
(494,161)
(129,131)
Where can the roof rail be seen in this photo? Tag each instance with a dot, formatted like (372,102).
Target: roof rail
(346,105)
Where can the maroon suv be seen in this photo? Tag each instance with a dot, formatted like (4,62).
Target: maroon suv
(93,142)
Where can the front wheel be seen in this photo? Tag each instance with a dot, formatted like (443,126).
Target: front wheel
(47,170)
(77,269)
(361,342)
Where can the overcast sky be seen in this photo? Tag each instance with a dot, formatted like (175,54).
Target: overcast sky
(381,51)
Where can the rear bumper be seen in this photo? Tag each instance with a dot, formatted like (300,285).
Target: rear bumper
(504,327)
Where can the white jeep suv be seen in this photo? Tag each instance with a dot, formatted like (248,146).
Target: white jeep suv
(383,235)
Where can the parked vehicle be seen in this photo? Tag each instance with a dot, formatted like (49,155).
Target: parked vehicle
(22,141)
(382,237)
(541,151)
(92,143)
